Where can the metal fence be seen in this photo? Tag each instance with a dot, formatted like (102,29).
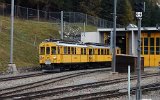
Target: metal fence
(70,17)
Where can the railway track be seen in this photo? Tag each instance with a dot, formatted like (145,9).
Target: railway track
(111,93)
(57,91)
(21,76)
(12,90)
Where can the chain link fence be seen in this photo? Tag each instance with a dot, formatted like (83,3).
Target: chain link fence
(70,17)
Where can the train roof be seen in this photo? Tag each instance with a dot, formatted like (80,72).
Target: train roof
(77,44)
(71,45)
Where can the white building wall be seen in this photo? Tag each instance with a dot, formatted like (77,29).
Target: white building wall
(90,37)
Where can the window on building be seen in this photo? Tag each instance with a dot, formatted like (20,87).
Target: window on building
(146,50)
(145,41)
(157,50)
(157,41)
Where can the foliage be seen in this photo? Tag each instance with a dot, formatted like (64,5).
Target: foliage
(100,8)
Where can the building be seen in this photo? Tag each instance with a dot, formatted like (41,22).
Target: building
(126,39)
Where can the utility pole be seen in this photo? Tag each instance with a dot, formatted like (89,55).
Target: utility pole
(114,38)
(62,25)
(12,67)
(139,9)
(139,93)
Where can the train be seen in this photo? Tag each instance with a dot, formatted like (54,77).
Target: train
(57,55)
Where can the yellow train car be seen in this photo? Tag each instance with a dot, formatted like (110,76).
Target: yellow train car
(59,55)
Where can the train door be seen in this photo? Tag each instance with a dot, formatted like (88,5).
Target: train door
(47,57)
(90,55)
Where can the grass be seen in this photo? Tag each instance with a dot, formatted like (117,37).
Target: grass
(27,36)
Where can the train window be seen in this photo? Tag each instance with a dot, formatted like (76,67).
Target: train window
(65,50)
(157,41)
(99,52)
(42,50)
(75,51)
(47,50)
(107,51)
(84,51)
(69,50)
(151,50)
(157,50)
(58,50)
(151,41)
(72,49)
(90,51)
(145,50)
(145,41)
(53,50)
(93,51)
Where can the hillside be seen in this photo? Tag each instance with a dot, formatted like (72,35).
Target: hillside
(27,35)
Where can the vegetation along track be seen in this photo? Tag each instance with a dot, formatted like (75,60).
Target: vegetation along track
(56,91)
(12,90)
(21,76)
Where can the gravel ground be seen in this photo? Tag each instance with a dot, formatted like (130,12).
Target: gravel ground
(145,81)
(12,83)
(152,95)
(72,81)
(94,77)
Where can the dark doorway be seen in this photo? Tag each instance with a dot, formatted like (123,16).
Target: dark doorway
(121,42)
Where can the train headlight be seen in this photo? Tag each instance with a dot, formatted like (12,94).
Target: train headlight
(40,58)
(54,58)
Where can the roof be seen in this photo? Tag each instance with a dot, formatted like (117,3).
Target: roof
(129,29)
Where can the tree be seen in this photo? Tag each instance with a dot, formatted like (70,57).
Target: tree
(124,12)
(107,9)
(91,7)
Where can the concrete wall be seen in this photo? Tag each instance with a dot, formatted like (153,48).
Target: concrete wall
(90,37)
(133,43)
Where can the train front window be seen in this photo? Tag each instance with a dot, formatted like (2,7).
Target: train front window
(53,50)
(47,50)
(90,51)
(42,50)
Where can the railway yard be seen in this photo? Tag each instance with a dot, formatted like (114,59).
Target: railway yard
(90,84)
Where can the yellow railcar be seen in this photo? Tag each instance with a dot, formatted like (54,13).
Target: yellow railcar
(57,55)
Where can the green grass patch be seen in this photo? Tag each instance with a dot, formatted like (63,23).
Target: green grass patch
(27,36)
